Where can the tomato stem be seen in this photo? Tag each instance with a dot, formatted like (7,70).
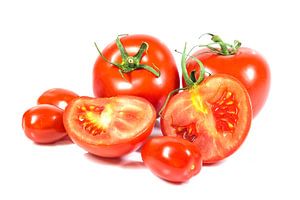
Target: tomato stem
(130,63)
(224,49)
(190,80)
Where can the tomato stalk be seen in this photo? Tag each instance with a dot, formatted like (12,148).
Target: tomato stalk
(224,49)
(131,63)
(190,79)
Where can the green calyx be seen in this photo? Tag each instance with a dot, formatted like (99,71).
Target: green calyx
(131,63)
(223,48)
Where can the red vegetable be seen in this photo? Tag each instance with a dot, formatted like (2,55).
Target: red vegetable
(138,65)
(57,96)
(245,64)
(214,113)
(172,159)
(44,124)
(109,127)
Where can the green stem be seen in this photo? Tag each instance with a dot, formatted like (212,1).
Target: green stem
(144,47)
(186,77)
(121,48)
(105,59)
(150,69)
(223,46)
(131,63)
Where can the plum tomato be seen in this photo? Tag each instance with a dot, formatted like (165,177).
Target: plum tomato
(172,158)
(44,124)
(57,96)
(109,127)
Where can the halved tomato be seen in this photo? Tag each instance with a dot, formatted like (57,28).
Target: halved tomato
(109,127)
(216,115)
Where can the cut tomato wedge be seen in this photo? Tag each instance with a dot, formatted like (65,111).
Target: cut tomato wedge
(109,127)
(216,115)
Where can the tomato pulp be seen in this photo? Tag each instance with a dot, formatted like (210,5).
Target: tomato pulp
(109,127)
(215,115)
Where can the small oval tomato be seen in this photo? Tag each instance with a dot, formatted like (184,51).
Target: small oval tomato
(143,67)
(109,127)
(172,158)
(246,64)
(44,124)
(57,96)
(215,115)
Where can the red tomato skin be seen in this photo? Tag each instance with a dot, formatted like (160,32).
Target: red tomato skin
(171,158)
(58,97)
(108,82)
(247,65)
(111,150)
(44,124)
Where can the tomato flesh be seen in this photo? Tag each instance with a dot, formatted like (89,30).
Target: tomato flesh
(215,115)
(109,127)
(171,158)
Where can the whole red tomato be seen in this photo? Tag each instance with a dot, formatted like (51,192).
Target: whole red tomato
(138,65)
(109,127)
(44,124)
(57,96)
(245,64)
(173,159)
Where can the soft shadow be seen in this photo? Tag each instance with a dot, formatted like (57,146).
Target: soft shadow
(120,162)
(64,141)
(213,164)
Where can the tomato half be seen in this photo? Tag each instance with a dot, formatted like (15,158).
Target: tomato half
(172,158)
(44,124)
(215,115)
(247,65)
(108,81)
(57,96)
(109,127)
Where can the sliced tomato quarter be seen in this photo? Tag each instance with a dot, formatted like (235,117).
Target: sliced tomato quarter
(109,127)
(216,115)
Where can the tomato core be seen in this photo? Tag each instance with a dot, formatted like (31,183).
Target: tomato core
(94,119)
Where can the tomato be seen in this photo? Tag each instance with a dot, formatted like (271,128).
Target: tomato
(246,64)
(215,115)
(44,124)
(171,158)
(109,127)
(147,70)
(57,96)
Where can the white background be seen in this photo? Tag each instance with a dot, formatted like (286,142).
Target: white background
(46,44)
